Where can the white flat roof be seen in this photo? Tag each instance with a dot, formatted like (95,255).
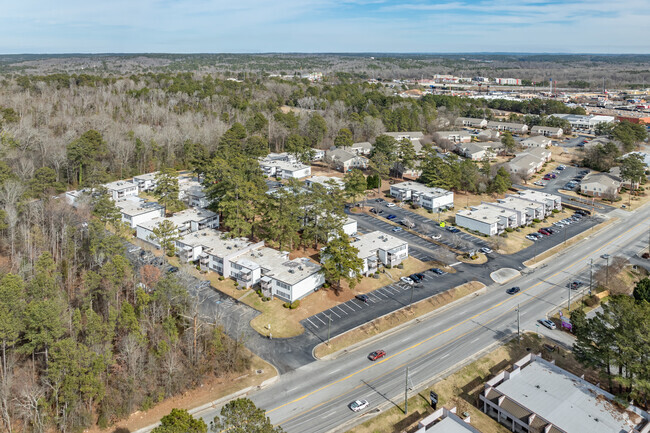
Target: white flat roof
(133,206)
(486,214)
(283,165)
(369,243)
(450,425)
(147,176)
(182,217)
(571,403)
(215,242)
(532,194)
(421,188)
(277,265)
(323,180)
(517,203)
(119,185)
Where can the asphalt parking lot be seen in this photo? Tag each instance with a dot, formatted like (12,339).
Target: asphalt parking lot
(427,226)
(381,301)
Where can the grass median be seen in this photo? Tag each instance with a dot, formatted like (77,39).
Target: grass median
(396,318)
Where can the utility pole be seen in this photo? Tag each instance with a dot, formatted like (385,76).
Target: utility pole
(568,306)
(565,228)
(607,273)
(406,393)
(591,275)
(518,323)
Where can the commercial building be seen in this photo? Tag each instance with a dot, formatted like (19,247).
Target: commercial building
(186,221)
(135,210)
(445,420)
(537,396)
(284,166)
(121,189)
(580,122)
(485,219)
(547,131)
(428,197)
(377,248)
(508,81)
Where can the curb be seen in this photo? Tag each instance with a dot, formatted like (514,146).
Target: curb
(395,329)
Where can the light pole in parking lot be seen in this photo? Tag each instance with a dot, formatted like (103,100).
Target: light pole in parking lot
(329,325)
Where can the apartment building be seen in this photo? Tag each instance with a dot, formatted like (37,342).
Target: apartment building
(547,131)
(135,210)
(515,128)
(428,197)
(192,192)
(121,189)
(284,166)
(328,182)
(345,161)
(453,136)
(471,122)
(485,219)
(377,248)
(186,221)
(525,210)
(145,182)
(550,201)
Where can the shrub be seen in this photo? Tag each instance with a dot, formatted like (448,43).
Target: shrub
(429,211)
(509,229)
(221,278)
(555,211)
(537,220)
(236,284)
(295,305)
(388,266)
(400,266)
(286,305)
(592,300)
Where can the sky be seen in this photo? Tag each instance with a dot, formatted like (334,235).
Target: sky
(311,26)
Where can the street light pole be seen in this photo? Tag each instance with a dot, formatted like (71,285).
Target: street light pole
(329,324)
(518,323)
(591,274)
(607,273)
(568,307)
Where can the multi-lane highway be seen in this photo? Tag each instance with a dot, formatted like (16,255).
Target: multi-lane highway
(314,398)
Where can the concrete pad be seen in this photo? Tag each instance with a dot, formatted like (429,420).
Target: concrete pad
(504,275)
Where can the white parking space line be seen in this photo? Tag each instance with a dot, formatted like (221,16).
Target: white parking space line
(320,319)
(379,292)
(374,295)
(358,303)
(312,324)
(342,310)
(334,312)
(348,305)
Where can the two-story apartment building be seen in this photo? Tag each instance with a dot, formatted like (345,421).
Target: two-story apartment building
(145,182)
(377,248)
(471,122)
(515,128)
(135,210)
(186,221)
(284,166)
(485,219)
(428,197)
(121,189)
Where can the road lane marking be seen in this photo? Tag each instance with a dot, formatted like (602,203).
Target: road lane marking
(449,328)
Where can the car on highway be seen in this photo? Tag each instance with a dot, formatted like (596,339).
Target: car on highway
(407,280)
(605,256)
(391,217)
(574,285)
(513,290)
(362,298)
(358,405)
(391,204)
(486,250)
(435,236)
(438,271)
(547,323)
(376,355)
(397,229)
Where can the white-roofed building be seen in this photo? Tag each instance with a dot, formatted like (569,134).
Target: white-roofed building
(550,201)
(327,181)
(135,210)
(380,248)
(536,141)
(547,131)
(485,219)
(580,122)
(145,182)
(471,122)
(538,396)
(445,420)
(192,192)
(453,136)
(515,128)
(121,189)
(525,210)
(428,197)
(284,166)
(186,221)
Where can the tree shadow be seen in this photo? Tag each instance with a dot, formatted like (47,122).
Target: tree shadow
(121,430)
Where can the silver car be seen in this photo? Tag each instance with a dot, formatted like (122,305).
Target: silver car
(358,405)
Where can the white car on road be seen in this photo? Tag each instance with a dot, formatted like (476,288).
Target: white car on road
(486,250)
(358,405)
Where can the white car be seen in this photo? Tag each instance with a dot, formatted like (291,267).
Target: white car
(358,405)
(486,250)
(391,204)
(531,237)
(407,280)
(435,236)
(547,323)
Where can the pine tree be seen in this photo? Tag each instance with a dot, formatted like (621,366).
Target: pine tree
(342,262)
(165,234)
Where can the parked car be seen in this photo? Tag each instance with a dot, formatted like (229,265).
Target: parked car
(438,271)
(380,200)
(485,250)
(391,217)
(376,355)
(530,237)
(391,204)
(561,167)
(513,290)
(358,405)
(453,229)
(415,277)
(397,229)
(362,298)
(420,275)
(435,236)
(544,232)
(549,230)
(547,323)
(376,211)
(407,280)
(539,183)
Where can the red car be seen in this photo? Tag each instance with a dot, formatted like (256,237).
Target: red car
(376,355)
(544,232)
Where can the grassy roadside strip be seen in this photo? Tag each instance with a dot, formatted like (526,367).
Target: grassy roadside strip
(461,388)
(396,318)
(571,241)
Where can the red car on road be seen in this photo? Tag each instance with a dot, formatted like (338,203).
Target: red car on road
(376,355)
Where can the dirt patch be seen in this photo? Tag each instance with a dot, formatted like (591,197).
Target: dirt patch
(396,318)
(210,390)
(461,389)
(479,260)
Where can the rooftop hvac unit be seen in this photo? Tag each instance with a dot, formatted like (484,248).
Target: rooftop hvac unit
(300,267)
(291,271)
